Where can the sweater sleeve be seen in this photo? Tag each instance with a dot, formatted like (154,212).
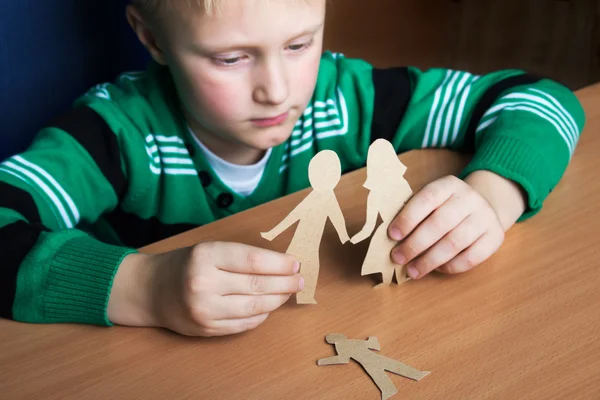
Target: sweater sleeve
(517,125)
(520,126)
(52,271)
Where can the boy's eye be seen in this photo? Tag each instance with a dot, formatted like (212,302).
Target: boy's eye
(228,61)
(296,47)
(299,46)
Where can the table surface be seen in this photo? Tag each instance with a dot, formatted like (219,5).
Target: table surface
(525,324)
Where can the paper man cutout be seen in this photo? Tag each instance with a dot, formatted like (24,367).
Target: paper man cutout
(324,173)
(374,364)
(389,192)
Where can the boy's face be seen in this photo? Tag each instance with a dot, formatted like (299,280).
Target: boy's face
(245,73)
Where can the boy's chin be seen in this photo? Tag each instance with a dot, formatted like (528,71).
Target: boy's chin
(265,143)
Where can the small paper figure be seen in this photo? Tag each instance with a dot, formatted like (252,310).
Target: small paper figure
(389,192)
(374,364)
(324,173)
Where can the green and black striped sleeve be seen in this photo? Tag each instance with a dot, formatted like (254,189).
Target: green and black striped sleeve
(518,125)
(71,175)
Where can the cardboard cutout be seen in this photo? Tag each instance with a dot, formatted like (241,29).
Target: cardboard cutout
(389,192)
(324,173)
(374,364)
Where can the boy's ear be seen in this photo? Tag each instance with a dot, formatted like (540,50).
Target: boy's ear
(145,33)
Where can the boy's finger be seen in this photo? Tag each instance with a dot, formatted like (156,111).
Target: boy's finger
(479,251)
(423,203)
(245,284)
(232,326)
(245,259)
(443,220)
(238,306)
(457,240)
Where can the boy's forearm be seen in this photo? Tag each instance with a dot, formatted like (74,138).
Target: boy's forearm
(131,300)
(506,197)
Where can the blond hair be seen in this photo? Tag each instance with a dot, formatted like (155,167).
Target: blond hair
(152,7)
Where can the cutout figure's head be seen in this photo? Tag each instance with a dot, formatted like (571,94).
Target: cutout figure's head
(324,170)
(333,338)
(382,165)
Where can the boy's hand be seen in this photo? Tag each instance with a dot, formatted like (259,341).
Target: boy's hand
(454,225)
(210,289)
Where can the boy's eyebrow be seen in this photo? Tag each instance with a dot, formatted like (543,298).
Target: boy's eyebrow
(310,31)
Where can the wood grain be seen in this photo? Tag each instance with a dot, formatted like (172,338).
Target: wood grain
(524,325)
(392,32)
(559,39)
(551,38)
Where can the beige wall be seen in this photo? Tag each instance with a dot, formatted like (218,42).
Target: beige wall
(556,38)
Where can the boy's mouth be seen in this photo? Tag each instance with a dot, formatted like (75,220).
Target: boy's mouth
(270,121)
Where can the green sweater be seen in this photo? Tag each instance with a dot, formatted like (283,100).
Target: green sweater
(120,170)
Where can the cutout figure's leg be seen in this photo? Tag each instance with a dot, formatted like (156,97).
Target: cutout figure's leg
(404,370)
(382,381)
(387,274)
(310,272)
(401,275)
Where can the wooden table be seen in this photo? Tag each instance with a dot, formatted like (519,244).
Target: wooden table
(524,325)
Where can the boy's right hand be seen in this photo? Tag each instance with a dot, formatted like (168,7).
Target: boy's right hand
(210,289)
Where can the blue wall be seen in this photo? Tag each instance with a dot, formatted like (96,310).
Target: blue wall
(51,51)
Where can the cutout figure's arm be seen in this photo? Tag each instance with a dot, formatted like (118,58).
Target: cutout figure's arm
(373,343)
(334,360)
(371,221)
(288,221)
(338,221)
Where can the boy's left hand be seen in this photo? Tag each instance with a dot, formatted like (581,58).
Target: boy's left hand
(453,225)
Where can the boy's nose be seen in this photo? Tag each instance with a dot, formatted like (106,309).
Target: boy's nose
(272,84)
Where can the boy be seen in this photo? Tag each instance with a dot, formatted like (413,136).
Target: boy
(238,100)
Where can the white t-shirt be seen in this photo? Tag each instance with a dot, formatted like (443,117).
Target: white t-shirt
(242,179)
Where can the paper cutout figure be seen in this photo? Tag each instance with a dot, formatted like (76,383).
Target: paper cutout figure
(389,192)
(374,364)
(324,173)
